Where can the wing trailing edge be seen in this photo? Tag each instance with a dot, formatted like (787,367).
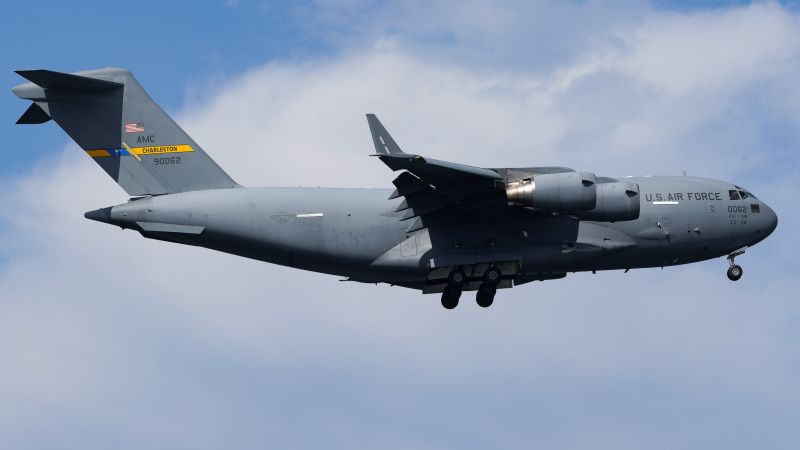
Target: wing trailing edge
(433,190)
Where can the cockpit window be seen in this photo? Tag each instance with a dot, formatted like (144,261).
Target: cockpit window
(734,195)
(744,193)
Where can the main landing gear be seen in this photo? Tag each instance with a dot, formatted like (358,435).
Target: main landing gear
(450,297)
(485,296)
(455,282)
(735,271)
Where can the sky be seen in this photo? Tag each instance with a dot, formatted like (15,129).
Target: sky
(109,340)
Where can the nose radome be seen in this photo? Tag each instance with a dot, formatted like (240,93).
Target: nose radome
(770,219)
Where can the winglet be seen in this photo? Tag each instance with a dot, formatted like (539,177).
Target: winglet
(384,144)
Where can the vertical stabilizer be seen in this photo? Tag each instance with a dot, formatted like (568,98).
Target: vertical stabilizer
(108,114)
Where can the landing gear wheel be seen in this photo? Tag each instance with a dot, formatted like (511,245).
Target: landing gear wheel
(734,272)
(450,297)
(457,278)
(485,296)
(492,276)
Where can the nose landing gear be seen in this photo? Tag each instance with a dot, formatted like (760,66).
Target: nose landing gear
(735,271)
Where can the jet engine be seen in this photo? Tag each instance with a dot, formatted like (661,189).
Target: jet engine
(617,201)
(577,193)
(555,192)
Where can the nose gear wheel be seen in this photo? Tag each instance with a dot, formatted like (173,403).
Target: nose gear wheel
(735,271)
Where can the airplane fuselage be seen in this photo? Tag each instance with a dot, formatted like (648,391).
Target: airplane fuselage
(356,233)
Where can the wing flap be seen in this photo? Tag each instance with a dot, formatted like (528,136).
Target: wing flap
(434,190)
(426,203)
(408,184)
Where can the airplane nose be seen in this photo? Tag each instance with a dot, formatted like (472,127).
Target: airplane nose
(770,219)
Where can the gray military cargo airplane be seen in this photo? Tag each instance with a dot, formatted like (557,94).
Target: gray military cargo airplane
(446,228)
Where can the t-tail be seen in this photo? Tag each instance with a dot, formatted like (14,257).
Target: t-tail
(108,114)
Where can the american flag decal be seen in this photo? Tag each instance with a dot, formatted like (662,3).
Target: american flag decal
(134,128)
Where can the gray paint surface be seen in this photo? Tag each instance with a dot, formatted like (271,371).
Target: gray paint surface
(441,217)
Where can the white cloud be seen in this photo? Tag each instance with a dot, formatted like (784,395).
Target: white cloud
(711,51)
(618,110)
(162,345)
(312,116)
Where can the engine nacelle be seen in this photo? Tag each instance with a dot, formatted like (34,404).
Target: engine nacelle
(615,202)
(555,192)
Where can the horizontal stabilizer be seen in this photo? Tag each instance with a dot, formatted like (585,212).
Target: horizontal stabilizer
(57,80)
(34,115)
